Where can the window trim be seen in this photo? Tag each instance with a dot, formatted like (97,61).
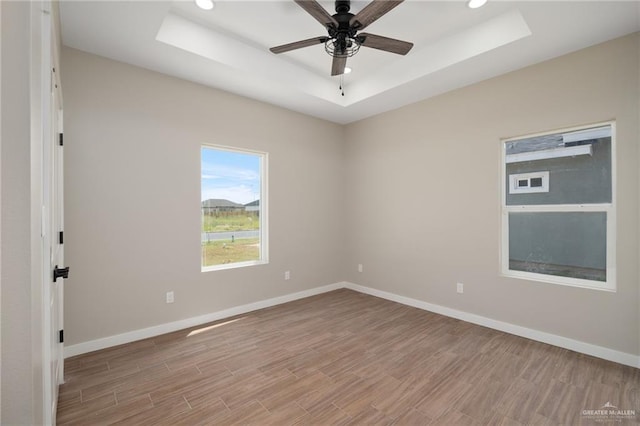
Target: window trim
(608,208)
(264,209)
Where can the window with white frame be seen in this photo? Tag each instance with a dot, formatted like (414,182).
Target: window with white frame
(529,182)
(233,208)
(558,217)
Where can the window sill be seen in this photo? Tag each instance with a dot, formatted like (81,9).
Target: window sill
(608,286)
(233,265)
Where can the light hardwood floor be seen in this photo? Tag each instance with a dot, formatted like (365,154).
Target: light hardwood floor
(341,358)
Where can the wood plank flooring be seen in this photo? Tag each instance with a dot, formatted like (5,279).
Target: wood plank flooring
(342,358)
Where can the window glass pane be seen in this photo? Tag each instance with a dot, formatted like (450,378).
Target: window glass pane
(230,206)
(579,166)
(567,244)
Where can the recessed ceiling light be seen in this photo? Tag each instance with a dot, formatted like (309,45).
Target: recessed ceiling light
(205,4)
(347,70)
(474,4)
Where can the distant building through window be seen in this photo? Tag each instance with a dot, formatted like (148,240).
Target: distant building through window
(558,219)
(233,218)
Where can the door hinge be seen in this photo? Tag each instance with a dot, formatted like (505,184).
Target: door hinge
(61,139)
(60,273)
(61,237)
(61,336)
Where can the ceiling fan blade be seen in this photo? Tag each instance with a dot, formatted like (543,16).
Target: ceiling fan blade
(314,9)
(385,43)
(372,12)
(338,65)
(298,44)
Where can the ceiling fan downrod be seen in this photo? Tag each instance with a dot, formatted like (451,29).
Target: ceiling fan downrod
(343,6)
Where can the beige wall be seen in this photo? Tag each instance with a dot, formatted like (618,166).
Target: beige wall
(132,208)
(21,218)
(17,391)
(423,184)
(419,188)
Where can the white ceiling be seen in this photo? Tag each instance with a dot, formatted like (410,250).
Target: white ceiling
(227,47)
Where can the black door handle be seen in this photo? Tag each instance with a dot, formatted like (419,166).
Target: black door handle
(60,273)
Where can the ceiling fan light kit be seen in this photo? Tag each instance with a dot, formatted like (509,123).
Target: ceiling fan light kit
(343,40)
(346,47)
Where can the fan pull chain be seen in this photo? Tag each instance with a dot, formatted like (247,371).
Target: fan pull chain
(341,88)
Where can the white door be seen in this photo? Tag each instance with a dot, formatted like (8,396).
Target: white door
(56,264)
(52,219)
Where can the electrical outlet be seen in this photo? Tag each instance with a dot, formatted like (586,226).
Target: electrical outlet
(170,297)
(287,275)
(460,288)
(360,269)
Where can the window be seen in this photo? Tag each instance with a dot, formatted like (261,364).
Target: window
(529,182)
(233,208)
(558,218)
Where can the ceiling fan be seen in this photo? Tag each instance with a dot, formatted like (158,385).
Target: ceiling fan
(343,40)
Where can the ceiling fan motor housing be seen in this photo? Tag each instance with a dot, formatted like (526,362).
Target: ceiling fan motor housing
(343,40)
(343,18)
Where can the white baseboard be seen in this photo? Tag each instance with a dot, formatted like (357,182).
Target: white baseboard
(132,336)
(540,336)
